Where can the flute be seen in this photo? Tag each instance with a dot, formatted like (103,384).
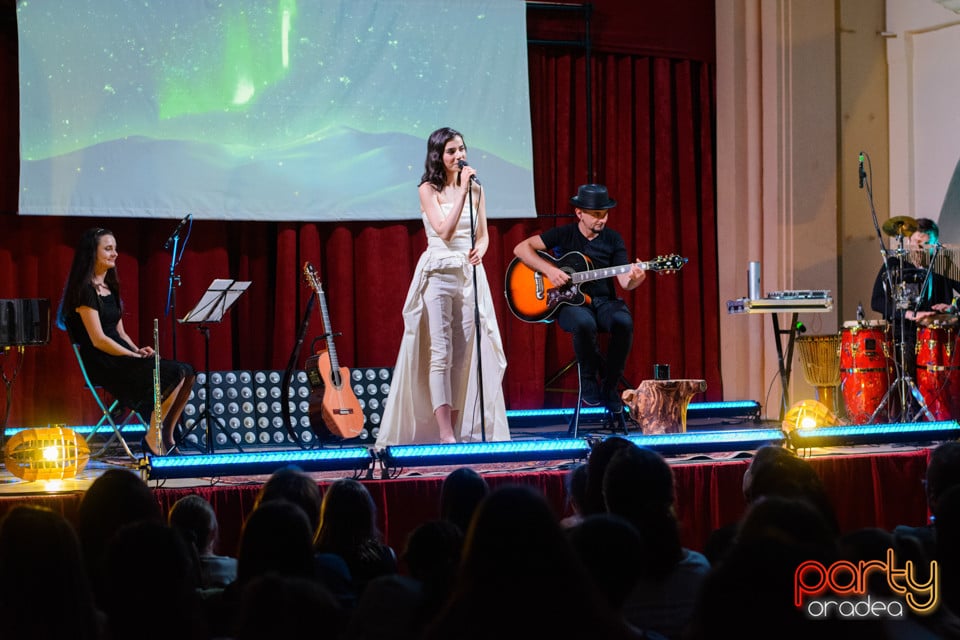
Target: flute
(157,425)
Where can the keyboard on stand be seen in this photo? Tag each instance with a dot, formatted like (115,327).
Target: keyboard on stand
(806,300)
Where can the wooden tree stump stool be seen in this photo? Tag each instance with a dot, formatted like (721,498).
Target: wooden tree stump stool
(660,406)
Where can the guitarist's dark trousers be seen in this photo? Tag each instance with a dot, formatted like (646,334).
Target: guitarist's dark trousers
(585,322)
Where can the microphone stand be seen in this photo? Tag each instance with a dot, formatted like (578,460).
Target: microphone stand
(171,310)
(897,304)
(476,317)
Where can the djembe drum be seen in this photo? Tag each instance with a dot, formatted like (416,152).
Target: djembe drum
(820,357)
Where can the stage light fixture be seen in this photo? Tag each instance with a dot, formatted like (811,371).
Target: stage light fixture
(477,452)
(709,441)
(874,434)
(129,430)
(51,453)
(695,411)
(729,409)
(808,414)
(262,463)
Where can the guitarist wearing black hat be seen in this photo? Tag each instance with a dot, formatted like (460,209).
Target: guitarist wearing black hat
(602,310)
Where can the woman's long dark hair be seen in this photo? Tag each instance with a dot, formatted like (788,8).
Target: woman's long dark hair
(81,271)
(433,169)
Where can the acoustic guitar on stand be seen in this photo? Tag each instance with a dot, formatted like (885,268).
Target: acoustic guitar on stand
(339,407)
(533,298)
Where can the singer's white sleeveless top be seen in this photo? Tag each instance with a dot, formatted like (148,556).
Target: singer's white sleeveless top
(447,255)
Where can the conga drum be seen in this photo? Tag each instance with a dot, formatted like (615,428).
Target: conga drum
(866,367)
(938,366)
(820,357)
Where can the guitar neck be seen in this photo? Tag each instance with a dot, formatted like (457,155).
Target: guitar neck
(331,348)
(311,276)
(608,272)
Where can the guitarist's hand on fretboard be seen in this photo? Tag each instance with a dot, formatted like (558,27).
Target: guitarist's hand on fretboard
(633,278)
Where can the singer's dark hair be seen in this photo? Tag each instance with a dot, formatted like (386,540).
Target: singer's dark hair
(433,169)
(81,271)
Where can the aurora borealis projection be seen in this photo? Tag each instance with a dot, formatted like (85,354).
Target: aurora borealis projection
(266,109)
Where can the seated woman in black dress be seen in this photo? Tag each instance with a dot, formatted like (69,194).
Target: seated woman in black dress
(91,313)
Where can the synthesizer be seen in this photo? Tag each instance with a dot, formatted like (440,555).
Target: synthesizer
(788,301)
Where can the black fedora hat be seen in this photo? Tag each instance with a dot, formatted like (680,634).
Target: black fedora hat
(592,197)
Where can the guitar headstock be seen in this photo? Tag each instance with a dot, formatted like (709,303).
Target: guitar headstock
(667,264)
(310,274)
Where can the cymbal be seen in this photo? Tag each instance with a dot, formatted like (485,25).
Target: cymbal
(900,226)
(939,320)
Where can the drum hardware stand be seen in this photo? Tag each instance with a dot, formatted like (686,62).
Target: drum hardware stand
(904,381)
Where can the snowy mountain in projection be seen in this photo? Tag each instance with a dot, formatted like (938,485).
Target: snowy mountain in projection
(347,175)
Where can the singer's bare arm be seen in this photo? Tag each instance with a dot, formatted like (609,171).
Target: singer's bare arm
(482,237)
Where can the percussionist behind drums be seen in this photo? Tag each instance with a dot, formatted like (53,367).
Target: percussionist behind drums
(915,297)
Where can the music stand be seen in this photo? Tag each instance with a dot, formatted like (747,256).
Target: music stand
(213,305)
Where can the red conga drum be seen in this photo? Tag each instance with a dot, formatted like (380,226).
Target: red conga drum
(938,366)
(866,367)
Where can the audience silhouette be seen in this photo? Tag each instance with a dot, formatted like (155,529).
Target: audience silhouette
(638,486)
(495,563)
(432,557)
(600,455)
(520,578)
(116,498)
(276,539)
(575,489)
(284,606)
(193,517)
(348,529)
(150,585)
(749,593)
(292,484)
(943,473)
(44,589)
(462,491)
(611,550)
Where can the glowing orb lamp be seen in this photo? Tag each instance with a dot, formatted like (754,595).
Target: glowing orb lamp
(51,453)
(808,414)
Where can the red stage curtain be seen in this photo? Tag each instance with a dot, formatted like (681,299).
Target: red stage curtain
(653,146)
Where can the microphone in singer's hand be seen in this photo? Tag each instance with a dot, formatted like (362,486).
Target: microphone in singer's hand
(463,163)
(176,232)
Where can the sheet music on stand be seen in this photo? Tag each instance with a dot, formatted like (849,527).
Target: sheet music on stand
(216,301)
(213,305)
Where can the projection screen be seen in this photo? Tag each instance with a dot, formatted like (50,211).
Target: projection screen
(266,109)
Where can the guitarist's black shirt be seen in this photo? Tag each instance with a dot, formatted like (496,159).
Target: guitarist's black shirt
(606,250)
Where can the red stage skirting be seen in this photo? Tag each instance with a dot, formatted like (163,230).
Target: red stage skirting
(867,489)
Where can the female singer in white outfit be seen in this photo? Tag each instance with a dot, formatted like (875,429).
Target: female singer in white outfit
(434,395)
